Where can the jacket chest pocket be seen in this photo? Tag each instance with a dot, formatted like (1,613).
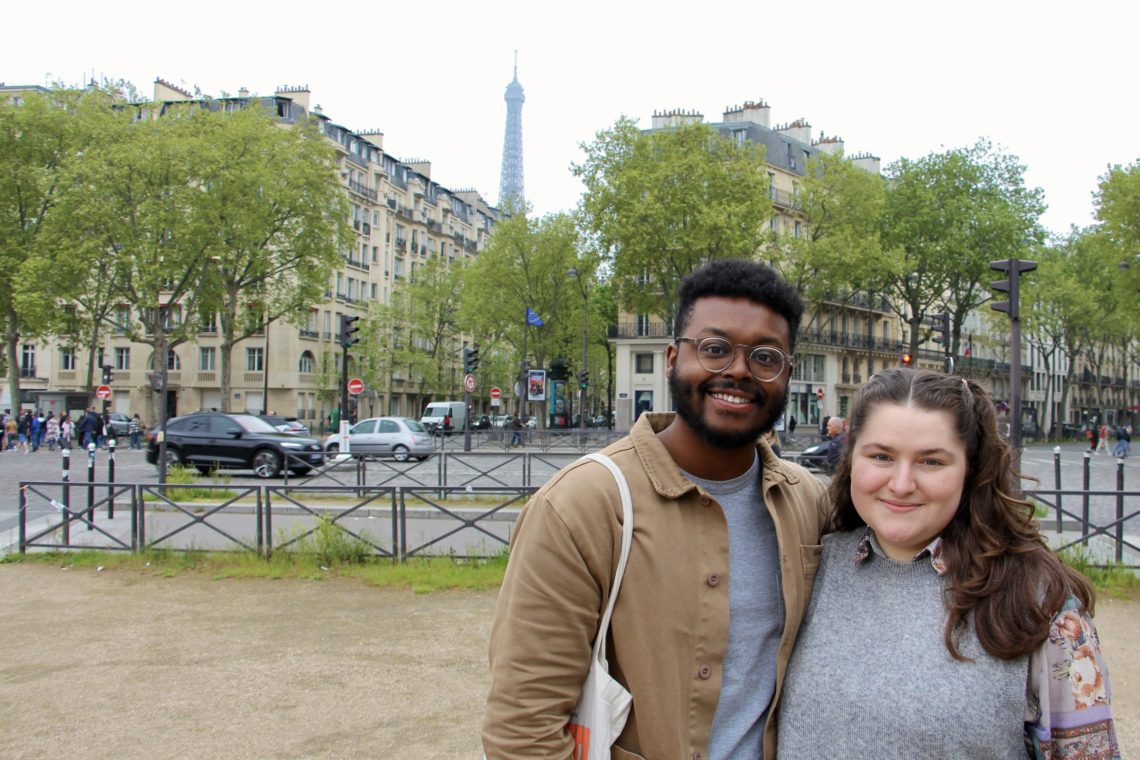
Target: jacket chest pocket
(810,556)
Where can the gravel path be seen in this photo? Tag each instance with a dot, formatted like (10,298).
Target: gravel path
(122,665)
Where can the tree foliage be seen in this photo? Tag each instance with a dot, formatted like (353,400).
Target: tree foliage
(660,204)
(946,217)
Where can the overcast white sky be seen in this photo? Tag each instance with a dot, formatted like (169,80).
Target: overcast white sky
(1052,82)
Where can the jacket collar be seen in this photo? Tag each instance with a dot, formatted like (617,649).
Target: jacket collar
(666,476)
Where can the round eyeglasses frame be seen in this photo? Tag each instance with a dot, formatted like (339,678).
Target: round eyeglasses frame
(764,371)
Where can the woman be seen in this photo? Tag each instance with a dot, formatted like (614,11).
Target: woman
(134,430)
(941,625)
(51,425)
(66,430)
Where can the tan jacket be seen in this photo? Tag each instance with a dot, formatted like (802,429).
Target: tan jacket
(670,622)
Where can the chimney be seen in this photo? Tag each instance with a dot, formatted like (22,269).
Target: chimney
(755,113)
(299,95)
(676,118)
(830,145)
(798,130)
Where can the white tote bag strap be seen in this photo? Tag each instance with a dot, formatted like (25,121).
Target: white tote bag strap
(626,539)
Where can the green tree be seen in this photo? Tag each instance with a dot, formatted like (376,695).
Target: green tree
(1118,207)
(39,138)
(660,204)
(416,335)
(947,216)
(838,250)
(525,264)
(271,196)
(135,197)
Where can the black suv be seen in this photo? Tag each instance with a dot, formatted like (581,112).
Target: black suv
(219,441)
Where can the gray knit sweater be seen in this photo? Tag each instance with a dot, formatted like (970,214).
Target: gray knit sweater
(871,677)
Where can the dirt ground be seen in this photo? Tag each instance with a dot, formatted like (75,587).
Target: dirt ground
(118,665)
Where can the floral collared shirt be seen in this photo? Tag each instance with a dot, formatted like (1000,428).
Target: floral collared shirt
(1067,693)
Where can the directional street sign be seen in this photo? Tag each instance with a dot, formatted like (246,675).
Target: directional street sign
(355,386)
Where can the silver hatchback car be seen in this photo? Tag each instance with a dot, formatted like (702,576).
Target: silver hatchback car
(398,437)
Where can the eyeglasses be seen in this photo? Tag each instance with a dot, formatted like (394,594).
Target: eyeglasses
(717,354)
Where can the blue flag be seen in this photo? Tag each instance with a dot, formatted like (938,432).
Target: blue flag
(532,318)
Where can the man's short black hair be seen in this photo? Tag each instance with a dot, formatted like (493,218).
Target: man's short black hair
(740,278)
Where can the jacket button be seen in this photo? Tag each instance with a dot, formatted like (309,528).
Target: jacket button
(705,672)
(696,756)
(713,579)
(704,501)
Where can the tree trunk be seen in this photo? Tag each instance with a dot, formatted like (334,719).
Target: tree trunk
(11,341)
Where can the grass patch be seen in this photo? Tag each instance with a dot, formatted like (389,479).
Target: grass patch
(1112,579)
(182,484)
(316,558)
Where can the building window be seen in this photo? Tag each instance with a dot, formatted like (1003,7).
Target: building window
(809,368)
(100,358)
(799,229)
(209,323)
(308,364)
(774,224)
(253,359)
(642,325)
(172,361)
(28,360)
(67,358)
(122,319)
(207,358)
(123,358)
(643,364)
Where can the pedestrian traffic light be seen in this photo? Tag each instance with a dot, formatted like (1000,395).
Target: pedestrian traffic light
(106,374)
(583,379)
(906,360)
(1010,285)
(473,358)
(942,328)
(348,330)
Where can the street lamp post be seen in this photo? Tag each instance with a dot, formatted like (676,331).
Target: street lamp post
(573,272)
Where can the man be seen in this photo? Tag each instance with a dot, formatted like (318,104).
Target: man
(837,433)
(725,547)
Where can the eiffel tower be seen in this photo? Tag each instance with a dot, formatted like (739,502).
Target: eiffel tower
(511,180)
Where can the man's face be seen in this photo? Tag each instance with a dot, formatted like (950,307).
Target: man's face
(728,409)
(834,427)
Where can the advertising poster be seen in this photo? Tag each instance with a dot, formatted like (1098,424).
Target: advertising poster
(536,385)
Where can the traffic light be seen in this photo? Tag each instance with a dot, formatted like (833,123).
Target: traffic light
(473,358)
(106,374)
(906,360)
(942,328)
(1011,285)
(348,330)
(583,379)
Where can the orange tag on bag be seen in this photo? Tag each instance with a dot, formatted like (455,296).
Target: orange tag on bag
(581,735)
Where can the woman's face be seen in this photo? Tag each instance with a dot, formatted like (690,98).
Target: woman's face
(908,469)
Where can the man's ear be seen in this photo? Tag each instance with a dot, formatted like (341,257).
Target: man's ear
(670,358)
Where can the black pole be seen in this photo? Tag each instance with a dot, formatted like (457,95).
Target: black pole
(1120,511)
(1057,483)
(90,487)
(111,442)
(1085,498)
(466,416)
(66,485)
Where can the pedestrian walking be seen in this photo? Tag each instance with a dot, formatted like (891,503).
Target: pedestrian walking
(134,430)
(36,431)
(66,431)
(24,430)
(11,427)
(51,431)
(1102,443)
(1123,442)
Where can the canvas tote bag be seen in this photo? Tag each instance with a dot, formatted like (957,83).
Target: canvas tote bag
(599,717)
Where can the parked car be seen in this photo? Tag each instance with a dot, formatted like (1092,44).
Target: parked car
(285,424)
(400,437)
(814,457)
(221,441)
(118,424)
(500,420)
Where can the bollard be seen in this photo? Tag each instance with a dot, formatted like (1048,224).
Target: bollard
(66,485)
(1057,485)
(90,487)
(1120,510)
(111,443)
(1085,497)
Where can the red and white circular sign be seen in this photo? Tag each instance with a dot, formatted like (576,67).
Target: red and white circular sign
(355,386)
(819,393)
(103,392)
(496,393)
(469,382)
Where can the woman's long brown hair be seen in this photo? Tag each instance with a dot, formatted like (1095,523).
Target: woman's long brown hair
(999,567)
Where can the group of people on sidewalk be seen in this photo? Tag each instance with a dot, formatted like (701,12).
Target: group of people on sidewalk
(1098,440)
(30,430)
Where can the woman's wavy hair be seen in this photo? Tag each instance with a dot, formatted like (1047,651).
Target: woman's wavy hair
(1001,573)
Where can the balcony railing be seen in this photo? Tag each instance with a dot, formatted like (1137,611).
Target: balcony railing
(309,334)
(361,189)
(639,330)
(28,371)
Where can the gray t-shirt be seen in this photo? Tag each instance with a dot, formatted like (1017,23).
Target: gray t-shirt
(755,617)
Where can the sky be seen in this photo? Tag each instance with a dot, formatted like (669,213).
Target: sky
(1052,83)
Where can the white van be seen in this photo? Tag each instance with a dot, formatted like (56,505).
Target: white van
(437,410)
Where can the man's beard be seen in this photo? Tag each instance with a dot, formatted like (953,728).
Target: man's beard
(685,402)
